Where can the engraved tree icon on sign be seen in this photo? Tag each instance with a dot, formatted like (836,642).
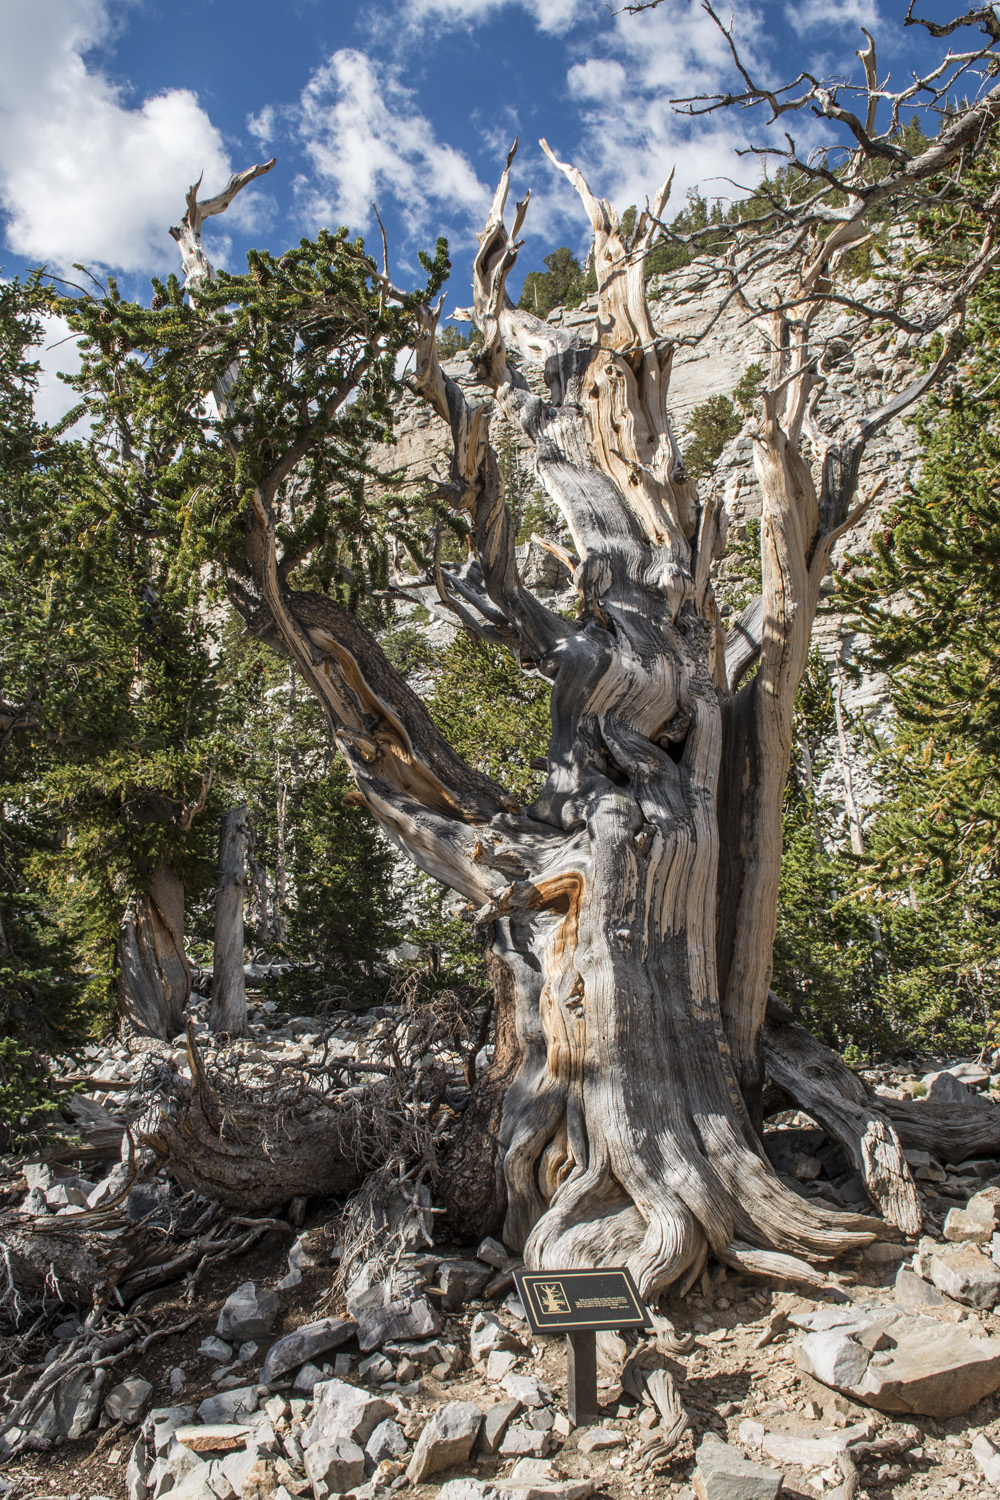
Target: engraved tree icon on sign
(553,1298)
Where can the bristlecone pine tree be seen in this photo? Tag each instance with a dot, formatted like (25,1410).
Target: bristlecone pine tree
(629,909)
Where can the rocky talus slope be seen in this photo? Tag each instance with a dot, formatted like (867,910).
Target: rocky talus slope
(259,1370)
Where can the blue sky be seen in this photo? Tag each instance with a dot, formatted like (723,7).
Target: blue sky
(109,108)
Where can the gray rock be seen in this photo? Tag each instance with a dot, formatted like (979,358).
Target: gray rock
(129,1401)
(945,1088)
(935,1370)
(488,1336)
(462,1281)
(375,1369)
(72,1406)
(527,1389)
(834,1358)
(914,1293)
(308,1378)
(387,1441)
(249,1313)
(161,1424)
(517,1489)
(333,1467)
(446,1440)
(494,1254)
(137,1470)
(229,1406)
(495,1423)
(724,1474)
(967,1277)
(987,1457)
(305,1344)
(397,1320)
(597,1439)
(343,1411)
(500,1364)
(217,1349)
(236,1466)
(523,1441)
(65,1195)
(977,1221)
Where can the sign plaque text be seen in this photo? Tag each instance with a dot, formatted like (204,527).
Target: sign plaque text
(580,1304)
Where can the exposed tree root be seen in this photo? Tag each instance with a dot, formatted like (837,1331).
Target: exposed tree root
(255,1149)
(819,1082)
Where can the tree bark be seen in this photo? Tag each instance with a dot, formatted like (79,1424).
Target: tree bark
(154,976)
(631,908)
(228,1009)
(819,1082)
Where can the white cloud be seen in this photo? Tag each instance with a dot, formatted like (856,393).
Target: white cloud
(366,140)
(597,78)
(59,353)
(549,15)
(84,176)
(813,15)
(630,133)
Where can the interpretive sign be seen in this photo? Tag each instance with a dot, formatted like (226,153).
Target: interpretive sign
(580,1304)
(570,1301)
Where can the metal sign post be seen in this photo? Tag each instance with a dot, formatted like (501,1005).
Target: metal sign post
(580,1304)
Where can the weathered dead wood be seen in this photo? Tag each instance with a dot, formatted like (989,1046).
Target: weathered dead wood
(256,1149)
(820,1083)
(154,976)
(85,1254)
(228,1008)
(950,1132)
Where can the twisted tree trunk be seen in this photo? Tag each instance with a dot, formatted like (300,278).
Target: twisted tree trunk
(630,910)
(154,976)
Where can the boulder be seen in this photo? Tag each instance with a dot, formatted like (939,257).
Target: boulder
(935,1370)
(342,1411)
(833,1357)
(214,1437)
(129,1401)
(598,1439)
(237,1466)
(945,1088)
(446,1440)
(931,1368)
(304,1345)
(397,1320)
(217,1349)
(724,1474)
(495,1423)
(229,1406)
(489,1336)
(916,1294)
(248,1313)
(527,1389)
(977,1221)
(525,1441)
(500,1364)
(462,1281)
(71,1407)
(516,1489)
(387,1441)
(967,1277)
(333,1467)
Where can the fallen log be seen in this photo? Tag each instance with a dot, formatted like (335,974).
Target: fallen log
(820,1083)
(255,1149)
(950,1132)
